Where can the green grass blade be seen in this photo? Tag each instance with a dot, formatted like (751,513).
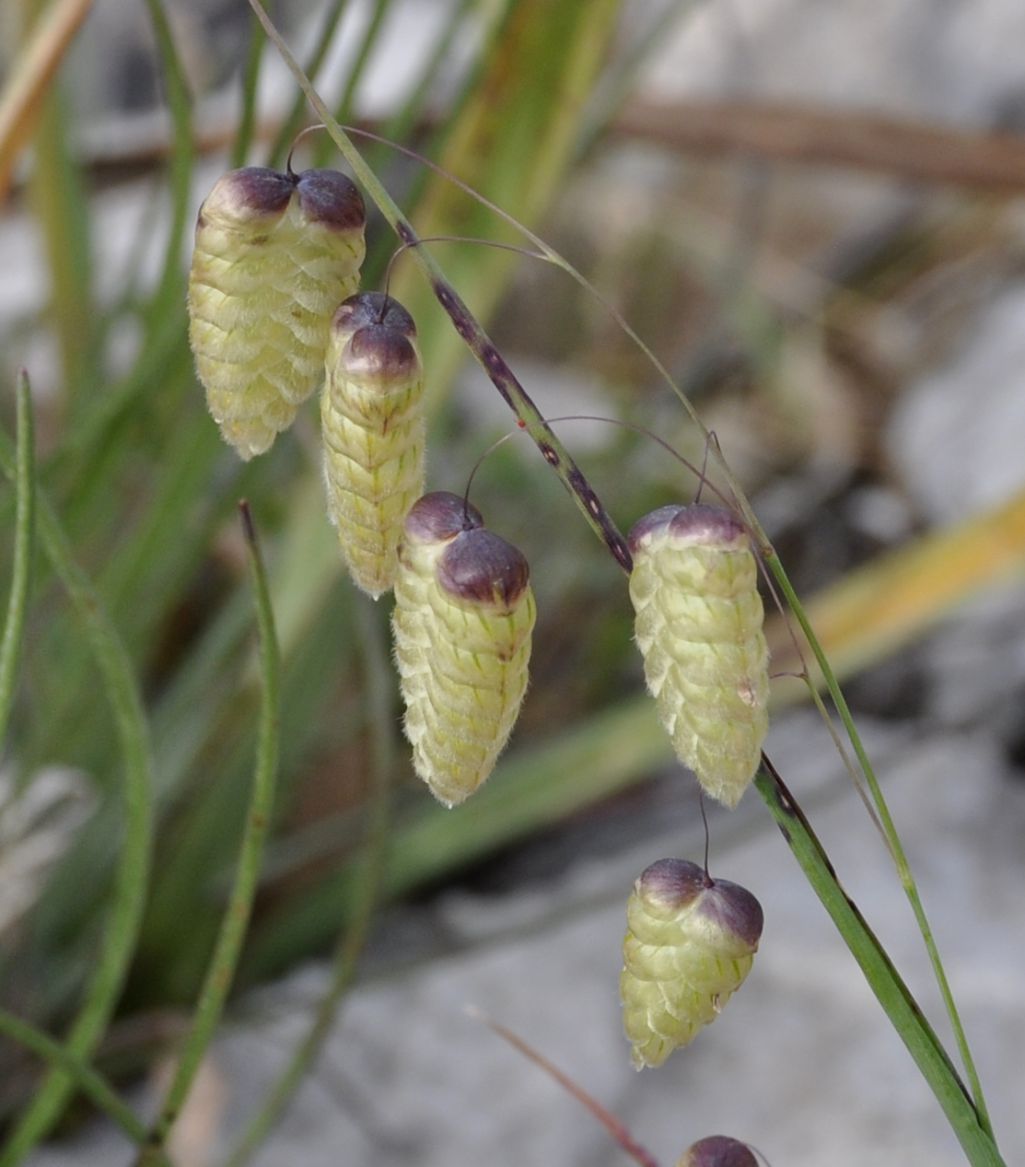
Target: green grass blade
(132,875)
(293,122)
(343,111)
(224,961)
(250,90)
(891,992)
(24,533)
(87,1080)
(372,867)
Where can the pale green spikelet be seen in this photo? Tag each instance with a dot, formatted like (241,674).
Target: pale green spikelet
(373,426)
(689,945)
(463,617)
(274,256)
(699,628)
(718,1151)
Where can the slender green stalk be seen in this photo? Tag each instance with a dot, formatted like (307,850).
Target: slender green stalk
(292,123)
(356,71)
(353,939)
(250,88)
(477,340)
(169,297)
(21,573)
(89,1081)
(891,835)
(131,879)
(224,961)
(891,992)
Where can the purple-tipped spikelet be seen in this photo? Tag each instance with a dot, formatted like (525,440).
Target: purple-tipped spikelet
(274,256)
(689,945)
(718,1151)
(463,617)
(699,629)
(373,426)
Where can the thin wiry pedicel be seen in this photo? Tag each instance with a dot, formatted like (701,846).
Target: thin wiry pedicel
(463,618)
(274,256)
(689,945)
(699,628)
(373,427)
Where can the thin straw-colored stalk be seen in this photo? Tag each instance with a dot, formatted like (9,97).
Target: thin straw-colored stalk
(221,971)
(372,869)
(21,572)
(131,880)
(27,84)
(89,1081)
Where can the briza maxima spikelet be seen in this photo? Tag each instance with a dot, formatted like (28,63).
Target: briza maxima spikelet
(718,1151)
(274,256)
(699,628)
(689,945)
(463,617)
(373,427)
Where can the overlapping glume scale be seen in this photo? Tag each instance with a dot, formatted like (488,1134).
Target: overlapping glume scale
(698,624)
(274,255)
(373,426)
(690,943)
(463,618)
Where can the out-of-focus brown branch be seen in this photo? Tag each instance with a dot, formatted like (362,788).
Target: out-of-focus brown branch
(849,138)
(22,96)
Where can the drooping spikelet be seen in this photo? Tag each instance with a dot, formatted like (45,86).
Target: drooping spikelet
(274,256)
(699,629)
(718,1151)
(689,945)
(373,426)
(463,617)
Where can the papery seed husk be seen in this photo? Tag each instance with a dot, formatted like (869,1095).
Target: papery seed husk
(718,1151)
(463,618)
(694,588)
(373,427)
(274,255)
(690,943)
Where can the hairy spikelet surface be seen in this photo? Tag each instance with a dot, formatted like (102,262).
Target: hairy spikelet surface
(463,618)
(690,943)
(373,427)
(274,256)
(699,628)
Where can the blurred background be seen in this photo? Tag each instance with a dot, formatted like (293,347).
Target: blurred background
(813,215)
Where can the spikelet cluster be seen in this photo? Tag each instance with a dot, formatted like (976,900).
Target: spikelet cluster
(718,1151)
(463,618)
(699,628)
(689,945)
(274,256)
(373,427)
